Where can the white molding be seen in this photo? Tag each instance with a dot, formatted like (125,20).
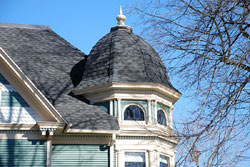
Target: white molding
(82,139)
(156,109)
(111,155)
(136,87)
(149,113)
(111,107)
(17,126)
(131,121)
(120,117)
(49,152)
(91,131)
(168,120)
(9,66)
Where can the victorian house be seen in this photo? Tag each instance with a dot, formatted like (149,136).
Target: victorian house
(60,107)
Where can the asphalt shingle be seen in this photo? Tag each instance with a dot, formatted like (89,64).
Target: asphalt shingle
(121,56)
(55,67)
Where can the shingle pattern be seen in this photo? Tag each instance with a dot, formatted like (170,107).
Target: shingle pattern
(54,66)
(122,56)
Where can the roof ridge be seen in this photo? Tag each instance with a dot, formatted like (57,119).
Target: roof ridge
(27,26)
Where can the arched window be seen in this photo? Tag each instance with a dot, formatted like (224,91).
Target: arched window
(134,112)
(161,118)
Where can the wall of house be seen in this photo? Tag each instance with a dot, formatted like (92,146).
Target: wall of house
(13,107)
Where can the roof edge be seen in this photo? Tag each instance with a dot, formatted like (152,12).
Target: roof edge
(28,26)
(30,86)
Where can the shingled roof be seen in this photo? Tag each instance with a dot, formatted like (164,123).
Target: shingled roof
(51,63)
(122,56)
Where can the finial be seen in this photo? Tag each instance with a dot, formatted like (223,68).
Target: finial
(120,9)
(121,18)
(121,22)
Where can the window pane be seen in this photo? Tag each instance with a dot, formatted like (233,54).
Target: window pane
(164,161)
(135,159)
(134,112)
(161,118)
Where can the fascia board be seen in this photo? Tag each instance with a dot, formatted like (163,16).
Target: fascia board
(49,108)
(144,86)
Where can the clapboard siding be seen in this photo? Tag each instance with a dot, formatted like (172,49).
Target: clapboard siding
(12,99)
(80,155)
(22,153)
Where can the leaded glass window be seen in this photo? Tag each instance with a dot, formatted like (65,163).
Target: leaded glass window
(134,112)
(135,159)
(164,161)
(161,118)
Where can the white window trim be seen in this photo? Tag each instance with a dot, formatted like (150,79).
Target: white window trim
(122,164)
(166,116)
(167,155)
(129,121)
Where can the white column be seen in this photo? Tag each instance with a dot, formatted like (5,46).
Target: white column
(149,112)
(119,110)
(157,159)
(111,155)
(171,117)
(49,152)
(120,158)
(155,112)
(151,156)
(111,111)
(172,161)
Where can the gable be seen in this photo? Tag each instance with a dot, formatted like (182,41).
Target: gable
(13,108)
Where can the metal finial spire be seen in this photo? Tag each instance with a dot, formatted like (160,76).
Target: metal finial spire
(121,18)
(120,9)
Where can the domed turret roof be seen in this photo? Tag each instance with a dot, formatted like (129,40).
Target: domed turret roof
(121,56)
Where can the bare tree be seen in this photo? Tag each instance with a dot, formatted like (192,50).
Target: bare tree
(206,43)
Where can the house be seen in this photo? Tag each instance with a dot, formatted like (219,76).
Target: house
(60,107)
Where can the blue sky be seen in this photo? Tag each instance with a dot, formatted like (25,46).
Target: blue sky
(81,22)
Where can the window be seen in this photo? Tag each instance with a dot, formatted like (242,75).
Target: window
(161,118)
(135,159)
(134,112)
(164,161)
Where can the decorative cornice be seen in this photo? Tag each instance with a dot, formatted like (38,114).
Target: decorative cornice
(20,131)
(80,136)
(49,127)
(49,130)
(91,131)
(135,88)
(146,138)
(9,126)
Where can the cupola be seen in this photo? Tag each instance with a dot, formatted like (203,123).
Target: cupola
(127,77)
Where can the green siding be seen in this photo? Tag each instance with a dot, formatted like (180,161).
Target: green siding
(105,106)
(80,155)
(22,153)
(12,99)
